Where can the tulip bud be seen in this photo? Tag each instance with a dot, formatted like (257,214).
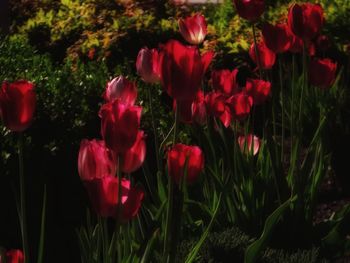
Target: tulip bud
(17,104)
(250,9)
(277,38)
(258,89)
(179,156)
(322,72)
(266,56)
(193,29)
(305,20)
(95,160)
(147,65)
(121,88)
(249,144)
(134,157)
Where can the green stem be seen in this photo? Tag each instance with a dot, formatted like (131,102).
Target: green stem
(257,51)
(119,212)
(22,200)
(303,86)
(282,106)
(170,208)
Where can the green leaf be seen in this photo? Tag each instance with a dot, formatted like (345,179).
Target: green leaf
(42,229)
(254,250)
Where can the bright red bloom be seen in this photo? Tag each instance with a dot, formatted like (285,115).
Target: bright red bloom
(182,69)
(240,105)
(14,256)
(266,56)
(103,194)
(305,20)
(119,125)
(17,104)
(121,88)
(134,157)
(95,160)
(322,72)
(277,38)
(147,65)
(225,81)
(177,157)
(199,109)
(193,29)
(217,107)
(250,9)
(249,144)
(258,89)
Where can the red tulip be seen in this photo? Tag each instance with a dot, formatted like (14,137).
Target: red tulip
(177,157)
(258,89)
(249,144)
(277,38)
(297,46)
(119,125)
(103,194)
(147,65)
(240,105)
(182,69)
(250,9)
(134,157)
(199,110)
(305,20)
(95,160)
(225,81)
(322,72)
(14,256)
(217,107)
(266,56)
(121,88)
(17,104)
(193,29)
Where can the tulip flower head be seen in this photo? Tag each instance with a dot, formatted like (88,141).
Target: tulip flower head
(133,158)
(199,110)
(240,105)
(182,156)
(225,81)
(217,107)
(322,72)
(277,37)
(182,69)
(249,144)
(267,57)
(258,89)
(305,20)
(250,9)
(17,104)
(147,65)
(14,256)
(193,29)
(121,88)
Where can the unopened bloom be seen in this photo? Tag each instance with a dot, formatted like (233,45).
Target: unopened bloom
(134,157)
(193,29)
(121,88)
(277,37)
(182,156)
(249,143)
(17,104)
(147,65)
(322,72)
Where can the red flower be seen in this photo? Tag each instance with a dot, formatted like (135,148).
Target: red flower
(182,69)
(322,72)
(177,157)
(305,20)
(249,144)
(217,107)
(199,110)
(266,56)
(297,46)
(17,104)
(14,256)
(103,194)
(121,88)
(225,81)
(193,29)
(250,9)
(95,160)
(277,38)
(258,89)
(134,157)
(119,125)
(147,65)
(240,105)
